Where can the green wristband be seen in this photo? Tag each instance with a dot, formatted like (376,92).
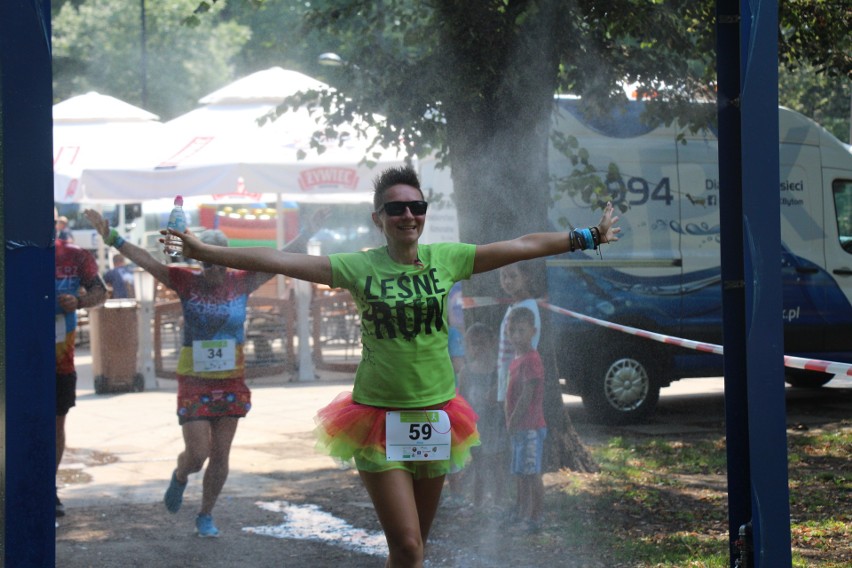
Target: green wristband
(114,239)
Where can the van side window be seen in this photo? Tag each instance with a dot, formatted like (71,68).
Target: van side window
(842,190)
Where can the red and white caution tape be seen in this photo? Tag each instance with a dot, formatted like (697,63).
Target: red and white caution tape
(483,301)
(830,367)
(696,345)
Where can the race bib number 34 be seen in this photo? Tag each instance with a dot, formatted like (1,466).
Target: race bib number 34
(418,435)
(214,355)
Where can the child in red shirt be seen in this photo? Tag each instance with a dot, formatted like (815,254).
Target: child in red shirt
(525,418)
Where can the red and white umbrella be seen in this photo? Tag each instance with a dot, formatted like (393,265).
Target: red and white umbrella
(96,131)
(221,149)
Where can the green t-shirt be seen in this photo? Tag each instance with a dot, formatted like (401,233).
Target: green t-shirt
(404,358)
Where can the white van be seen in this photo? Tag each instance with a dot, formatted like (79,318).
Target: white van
(664,275)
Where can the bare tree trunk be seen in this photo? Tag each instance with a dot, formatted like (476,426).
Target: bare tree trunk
(562,447)
(516,203)
(499,142)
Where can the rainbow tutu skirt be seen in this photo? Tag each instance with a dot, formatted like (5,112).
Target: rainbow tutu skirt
(349,431)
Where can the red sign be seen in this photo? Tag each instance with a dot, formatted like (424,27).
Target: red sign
(316,178)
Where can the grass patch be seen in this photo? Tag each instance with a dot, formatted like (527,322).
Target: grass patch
(663,503)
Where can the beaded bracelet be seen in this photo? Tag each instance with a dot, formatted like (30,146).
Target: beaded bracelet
(596,235)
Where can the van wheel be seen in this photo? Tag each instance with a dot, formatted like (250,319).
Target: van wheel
(100,384)
(801,379)
(623,391)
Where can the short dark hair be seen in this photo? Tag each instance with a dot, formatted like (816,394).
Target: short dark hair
(480,330)
(402,175)
(523,315)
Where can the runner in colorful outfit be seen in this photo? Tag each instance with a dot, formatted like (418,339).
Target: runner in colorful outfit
(76,269)
(212,392)
(390,423)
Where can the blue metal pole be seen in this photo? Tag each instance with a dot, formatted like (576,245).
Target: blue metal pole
(733,288)
(28,394)
(767,425)
(758,495)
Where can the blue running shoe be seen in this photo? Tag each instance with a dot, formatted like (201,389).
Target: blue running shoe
(174,494)
(205,527)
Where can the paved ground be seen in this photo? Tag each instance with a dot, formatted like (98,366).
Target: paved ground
(141,430)
(122,449)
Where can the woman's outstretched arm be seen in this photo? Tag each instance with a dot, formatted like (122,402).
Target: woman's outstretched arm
(535,245)
(259,259)
(135,254)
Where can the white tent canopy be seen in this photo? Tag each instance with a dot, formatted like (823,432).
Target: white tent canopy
(220,149)
(92,131)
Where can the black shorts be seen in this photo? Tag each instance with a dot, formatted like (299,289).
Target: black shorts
(66,393)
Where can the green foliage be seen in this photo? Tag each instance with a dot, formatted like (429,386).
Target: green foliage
(435,75)
(586,183)
(441,67)
(666,46)
(820,96)
(278,37)
(421,63)
(815,33)
(97,46)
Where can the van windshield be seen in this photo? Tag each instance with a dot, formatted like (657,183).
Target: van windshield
(842,190)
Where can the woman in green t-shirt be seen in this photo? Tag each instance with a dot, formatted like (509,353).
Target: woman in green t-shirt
(403,423)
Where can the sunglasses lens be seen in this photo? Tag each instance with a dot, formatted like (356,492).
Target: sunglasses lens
(397,208)
(418,207)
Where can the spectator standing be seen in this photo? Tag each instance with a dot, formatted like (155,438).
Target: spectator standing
(525,418)
(120,278)
(478,384)
(515,281)
(62,230)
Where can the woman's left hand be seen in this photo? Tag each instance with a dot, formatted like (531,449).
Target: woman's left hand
(606,226)
(191,243)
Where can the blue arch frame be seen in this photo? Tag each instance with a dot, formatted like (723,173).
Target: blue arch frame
(27,272)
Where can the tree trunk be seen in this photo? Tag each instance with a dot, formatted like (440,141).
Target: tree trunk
(562,447)
(499,143)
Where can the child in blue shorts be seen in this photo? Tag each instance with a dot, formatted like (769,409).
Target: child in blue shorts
(525,418)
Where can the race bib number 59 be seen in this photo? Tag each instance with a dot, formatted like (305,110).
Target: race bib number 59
(417,435)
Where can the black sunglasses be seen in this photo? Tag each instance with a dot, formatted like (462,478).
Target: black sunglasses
(397,208)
